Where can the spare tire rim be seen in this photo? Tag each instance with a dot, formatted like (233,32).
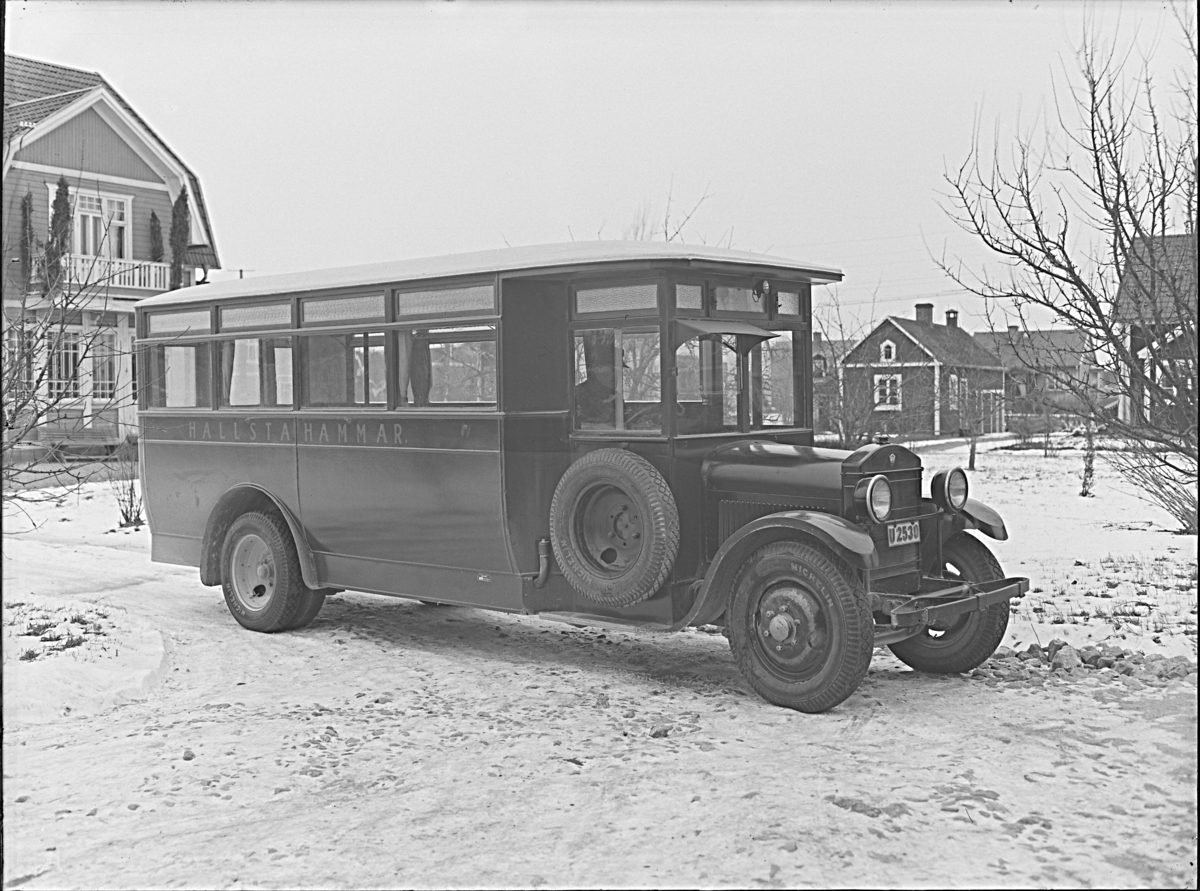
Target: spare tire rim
(792,630)
(252,572)
(608,530)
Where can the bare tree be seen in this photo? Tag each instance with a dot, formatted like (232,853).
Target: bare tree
(642,226)
(847,403)
(1096,226)
(59,366)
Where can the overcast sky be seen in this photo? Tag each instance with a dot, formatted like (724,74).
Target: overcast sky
(327,134)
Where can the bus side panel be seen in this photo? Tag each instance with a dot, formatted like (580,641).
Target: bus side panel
(431,496)
(185,474)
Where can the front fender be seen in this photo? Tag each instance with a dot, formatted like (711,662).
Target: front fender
(842,537)
(980,516)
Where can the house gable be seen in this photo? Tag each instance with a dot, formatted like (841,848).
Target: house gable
(41,97)
(908,350)
(86,142)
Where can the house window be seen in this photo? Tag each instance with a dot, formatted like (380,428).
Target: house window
(887,351)
(104,366)
(19,349)
(63,380)
(819,366)
(100,226)
(953,395)
(887,392)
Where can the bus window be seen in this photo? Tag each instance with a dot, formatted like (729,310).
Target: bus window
(344,370)
(447,366)
(707,384)
(256,372)
(772,376)
(709,390)
(178,376)
(606,401)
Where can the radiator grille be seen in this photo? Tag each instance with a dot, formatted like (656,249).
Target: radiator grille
(733,514)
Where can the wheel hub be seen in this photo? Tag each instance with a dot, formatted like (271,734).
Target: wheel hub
(610,529)
(252,572)
(790,623)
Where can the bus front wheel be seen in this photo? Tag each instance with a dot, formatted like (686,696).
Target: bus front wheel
(260,575)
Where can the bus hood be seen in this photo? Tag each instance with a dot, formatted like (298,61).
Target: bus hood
(769,469)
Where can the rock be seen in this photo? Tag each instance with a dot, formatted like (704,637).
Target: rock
(1034,651)
(188,754)
(1065,658)
(1090,656)
(1124,667)
(658,731)
(1030,657)
(1105,662)
(1003,653)
(1053,648)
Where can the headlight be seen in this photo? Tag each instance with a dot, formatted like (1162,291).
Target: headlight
(949,489)
(875,497)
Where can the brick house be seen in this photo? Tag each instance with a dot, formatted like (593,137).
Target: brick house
(1048,373)
(927,379)
(64,123)
(827,358)
(1155,311)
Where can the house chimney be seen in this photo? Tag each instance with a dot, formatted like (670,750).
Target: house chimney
(925,313)
(816,338)
(952,318)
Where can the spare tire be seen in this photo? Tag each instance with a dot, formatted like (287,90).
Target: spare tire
(615,527)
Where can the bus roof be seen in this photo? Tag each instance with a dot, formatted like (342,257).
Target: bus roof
(516,259)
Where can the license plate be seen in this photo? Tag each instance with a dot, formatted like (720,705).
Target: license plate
(903,533)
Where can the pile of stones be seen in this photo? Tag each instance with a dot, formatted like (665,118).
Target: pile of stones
(1104,661)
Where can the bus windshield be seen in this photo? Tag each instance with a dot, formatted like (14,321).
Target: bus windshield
(730,382)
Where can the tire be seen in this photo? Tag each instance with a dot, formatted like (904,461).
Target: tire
(615,527)
(260,575)
(800,627)
(965,641)
(316,600)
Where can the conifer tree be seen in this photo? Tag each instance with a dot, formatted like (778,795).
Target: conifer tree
(60,237)
(156,242)
(180,226)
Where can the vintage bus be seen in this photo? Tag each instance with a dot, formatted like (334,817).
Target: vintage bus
(605,432)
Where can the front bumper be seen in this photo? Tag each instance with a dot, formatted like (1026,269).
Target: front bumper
(942,599)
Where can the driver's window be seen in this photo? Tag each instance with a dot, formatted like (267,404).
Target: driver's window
(706,388)
(606,400)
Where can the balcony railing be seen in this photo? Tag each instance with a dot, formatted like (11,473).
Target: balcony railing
(103,271)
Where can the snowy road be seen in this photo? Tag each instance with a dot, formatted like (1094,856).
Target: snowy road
(398,744)
(395,744)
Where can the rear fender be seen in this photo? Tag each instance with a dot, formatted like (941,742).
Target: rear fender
(843,538)
(233,504)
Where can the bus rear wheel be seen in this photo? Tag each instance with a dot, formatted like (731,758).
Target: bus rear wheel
(260,576)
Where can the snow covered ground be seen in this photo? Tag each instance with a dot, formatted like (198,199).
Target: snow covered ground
(150,741)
